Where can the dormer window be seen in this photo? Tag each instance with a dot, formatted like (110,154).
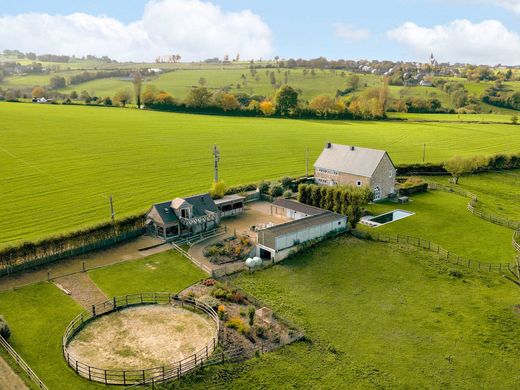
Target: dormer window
(185,213)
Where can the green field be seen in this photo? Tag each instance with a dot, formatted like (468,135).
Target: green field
(442,218)
(61,163)
(164,272)
(380,316)
(498,193)
(39,314)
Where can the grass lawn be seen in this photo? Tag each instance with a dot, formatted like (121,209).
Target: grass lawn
(498,192)
(381,316)
(60,163)
(163,272)
(38,316)
(442,217)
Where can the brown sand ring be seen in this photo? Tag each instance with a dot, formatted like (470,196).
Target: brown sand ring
(148,337)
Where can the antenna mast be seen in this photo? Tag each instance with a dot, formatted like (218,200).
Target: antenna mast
(216,159)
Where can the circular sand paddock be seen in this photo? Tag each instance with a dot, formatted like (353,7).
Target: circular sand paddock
(131,344)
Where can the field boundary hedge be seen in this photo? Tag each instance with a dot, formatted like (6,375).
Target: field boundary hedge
(31,254)
(435,248)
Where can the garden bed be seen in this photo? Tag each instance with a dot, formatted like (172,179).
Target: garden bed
(245,323)
(229,250)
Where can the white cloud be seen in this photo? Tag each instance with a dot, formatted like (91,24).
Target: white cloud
(512,5)
(193,28)
(488,42)
(350,33)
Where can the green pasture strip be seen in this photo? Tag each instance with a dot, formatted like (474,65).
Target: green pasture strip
(163,272)
(38,316)
(498,193)
(380,316)
(443,219)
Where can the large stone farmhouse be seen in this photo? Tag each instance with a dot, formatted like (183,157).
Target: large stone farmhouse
(192,215)
(352,165)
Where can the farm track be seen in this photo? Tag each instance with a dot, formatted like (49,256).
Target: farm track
(82,289)
(9,380)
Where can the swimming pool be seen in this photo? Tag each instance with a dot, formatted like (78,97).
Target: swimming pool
(392,216)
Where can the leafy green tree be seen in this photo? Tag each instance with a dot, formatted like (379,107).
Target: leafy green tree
(286,100)
(218,190)
(107,101)
(302,193)
(202,81)
(198,98)
(276,190)
(149,94)
(286,181)
(57,82)
(459,166)
(122,97)
(315,196)
(353,82)
(73,95)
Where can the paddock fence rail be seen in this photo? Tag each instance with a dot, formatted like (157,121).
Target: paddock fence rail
(23,365)
(516,240)
(436,248)
(134,376)
(515,225)
(184,253)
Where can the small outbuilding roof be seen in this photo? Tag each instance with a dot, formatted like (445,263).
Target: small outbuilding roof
(297,206)
(165,212)
(350,159)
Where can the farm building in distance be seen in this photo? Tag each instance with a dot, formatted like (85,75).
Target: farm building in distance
(308,223)
(352,165)
(192,215)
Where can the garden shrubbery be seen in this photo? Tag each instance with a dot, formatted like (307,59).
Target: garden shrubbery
(413,185)
(5,331)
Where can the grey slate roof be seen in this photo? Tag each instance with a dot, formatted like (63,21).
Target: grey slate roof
(360,161)
(297,206)
(162,212)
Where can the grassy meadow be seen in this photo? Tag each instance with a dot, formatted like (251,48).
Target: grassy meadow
(39,314)
(380,316)
(163,272)
(60,163)
(442,218)
(498,193)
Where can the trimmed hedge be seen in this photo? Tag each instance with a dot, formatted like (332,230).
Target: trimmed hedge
(413,189)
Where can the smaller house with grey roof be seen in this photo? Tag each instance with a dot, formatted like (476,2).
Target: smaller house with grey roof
(355,166)
(191,215)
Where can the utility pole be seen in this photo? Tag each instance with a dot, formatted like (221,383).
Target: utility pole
(112,213)
(216,159)
(307,163)
(423,152)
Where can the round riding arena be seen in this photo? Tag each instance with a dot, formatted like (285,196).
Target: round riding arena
(139,338)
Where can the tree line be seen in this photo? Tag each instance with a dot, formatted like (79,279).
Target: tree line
(346,200)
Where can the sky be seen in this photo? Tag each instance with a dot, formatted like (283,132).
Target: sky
(473,31)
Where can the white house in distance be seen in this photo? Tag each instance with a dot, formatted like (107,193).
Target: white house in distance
(352,165)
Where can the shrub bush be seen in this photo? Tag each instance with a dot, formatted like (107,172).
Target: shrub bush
(239,325)
(275,190)
(413,185)
(217,190)
(287,194)
(251,311)
(5,331)
(263,187)
(221,312)
(209,300)
(286,182)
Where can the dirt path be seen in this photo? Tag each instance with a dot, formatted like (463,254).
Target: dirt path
(125,251)
(82,289)
(9,380)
